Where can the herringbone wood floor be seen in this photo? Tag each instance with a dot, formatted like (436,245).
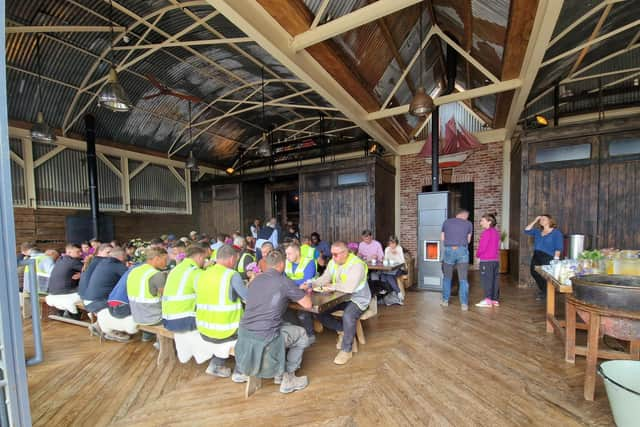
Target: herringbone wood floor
(422,365)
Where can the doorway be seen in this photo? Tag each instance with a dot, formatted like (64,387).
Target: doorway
(461,196)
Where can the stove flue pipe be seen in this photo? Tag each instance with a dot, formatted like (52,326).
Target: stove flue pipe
(451,68)
(92,171)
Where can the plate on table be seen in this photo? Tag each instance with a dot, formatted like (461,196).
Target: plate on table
(321,289)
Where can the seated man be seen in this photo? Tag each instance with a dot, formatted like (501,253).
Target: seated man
(44,266)
(118,317)
(179,297)
(308,251)
(301,270)
(90,265)
(345,273)
(144,288)
(63,283)
(263,338)
(104,278)
(245,257)
(219,308)
(264,249)
(370,249)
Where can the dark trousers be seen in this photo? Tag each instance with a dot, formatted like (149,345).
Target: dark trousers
(489,279)
(540,258)
(347,325)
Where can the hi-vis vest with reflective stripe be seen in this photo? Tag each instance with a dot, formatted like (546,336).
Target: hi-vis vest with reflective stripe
(179,296)
(351,260)
(307,251)
(299,273)
(42,277)
(241,261)
(216,315)
(138,285)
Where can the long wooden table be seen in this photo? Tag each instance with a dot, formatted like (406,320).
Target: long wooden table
(322,301)
(554,286)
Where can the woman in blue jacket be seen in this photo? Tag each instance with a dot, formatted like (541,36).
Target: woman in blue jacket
(547,245)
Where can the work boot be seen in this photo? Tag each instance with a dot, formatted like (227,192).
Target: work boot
(218,371)
(292,383)
(343,357)
(237,377)
(339,343)
(147,336)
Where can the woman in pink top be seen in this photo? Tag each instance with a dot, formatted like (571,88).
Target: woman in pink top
(488,253)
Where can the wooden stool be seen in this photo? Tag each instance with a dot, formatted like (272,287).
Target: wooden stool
(166,352)
(371,311)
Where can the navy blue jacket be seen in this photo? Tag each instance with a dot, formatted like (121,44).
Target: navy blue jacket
(103,279)
(86,276)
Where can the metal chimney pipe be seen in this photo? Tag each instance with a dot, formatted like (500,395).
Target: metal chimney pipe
(451,68)
(92,170)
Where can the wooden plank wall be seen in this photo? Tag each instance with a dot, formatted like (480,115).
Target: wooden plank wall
(317,213)
(599,197)
(220,216)
(47,226)
(351,212)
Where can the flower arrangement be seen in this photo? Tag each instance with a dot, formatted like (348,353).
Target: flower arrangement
(352,246)
(139,256)
(253,267)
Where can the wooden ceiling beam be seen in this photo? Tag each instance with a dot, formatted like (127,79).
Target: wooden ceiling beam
(521,17)
(388,37)
(546,16)
(273,23)
(348,22)
(594,34)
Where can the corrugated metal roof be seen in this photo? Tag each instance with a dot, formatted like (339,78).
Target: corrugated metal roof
(207,72)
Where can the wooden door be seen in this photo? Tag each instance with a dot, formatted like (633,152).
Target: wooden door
(352,213)
(317,214)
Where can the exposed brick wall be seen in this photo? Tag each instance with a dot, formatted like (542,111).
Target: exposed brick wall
(483,167)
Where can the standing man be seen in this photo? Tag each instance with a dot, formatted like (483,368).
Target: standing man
(245,257)
(268,233)
(144,287)
(323,249)
(219,307)
(345,273)
(300,270)
(263,338)
(179,296)
(456,236)
(370,249)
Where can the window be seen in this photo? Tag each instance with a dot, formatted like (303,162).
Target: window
(625,147)
(317,182)
(353,178)
(226,192)
(564,153)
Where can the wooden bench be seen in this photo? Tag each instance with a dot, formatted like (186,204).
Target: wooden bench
(45,309)
(166,351)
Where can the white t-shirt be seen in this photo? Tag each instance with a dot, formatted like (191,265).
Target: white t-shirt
(396,255)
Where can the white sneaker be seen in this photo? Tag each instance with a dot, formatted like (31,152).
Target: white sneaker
(485,303)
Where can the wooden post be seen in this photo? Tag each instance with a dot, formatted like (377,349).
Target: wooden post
(551,305)
(592,356)
(570,337)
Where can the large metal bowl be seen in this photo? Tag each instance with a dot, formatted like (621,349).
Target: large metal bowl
(615,292)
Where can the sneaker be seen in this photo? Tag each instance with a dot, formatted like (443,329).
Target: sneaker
(485,303)
(339,343)
(237,377)
(117,336)
(156,345)
(464,307)
(495,303)
(343,357)
(218,371)
(277,379)
(291,383)
(444,303)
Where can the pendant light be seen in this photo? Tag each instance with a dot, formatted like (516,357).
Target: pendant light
(192,162)
(41,131)
(112,95)
(421,104)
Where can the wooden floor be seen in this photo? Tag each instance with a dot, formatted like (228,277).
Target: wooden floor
(422,365)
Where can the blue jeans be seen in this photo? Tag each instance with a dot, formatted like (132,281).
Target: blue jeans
(458,258)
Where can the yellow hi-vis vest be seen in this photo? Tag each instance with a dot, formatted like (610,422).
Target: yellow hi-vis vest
(240,265)
(138,285)
(179,296)
(41,276)
(217,316)
(351,260)
(307,251)
(299,272)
